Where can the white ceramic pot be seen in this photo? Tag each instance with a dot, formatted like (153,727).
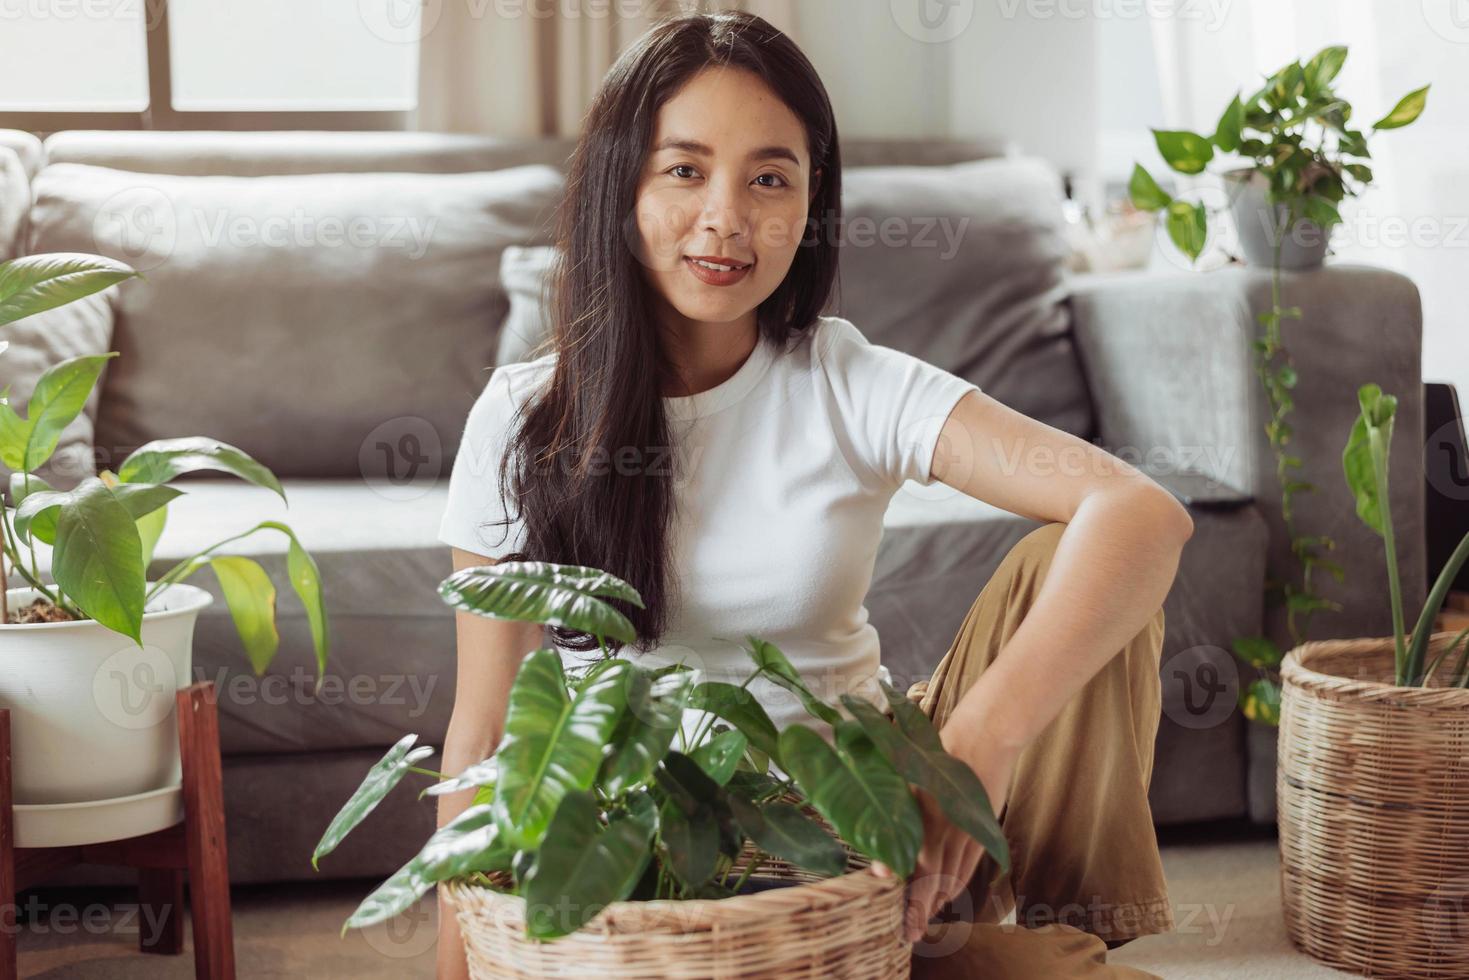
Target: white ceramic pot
(1259,224)
(91,712)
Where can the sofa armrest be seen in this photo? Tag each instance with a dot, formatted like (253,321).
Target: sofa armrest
(1170,365)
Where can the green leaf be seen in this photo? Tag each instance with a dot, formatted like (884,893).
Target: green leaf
(1257,651)
(1409,108)
(1188,227)
(782,830)
(163,459)
(1360,171)
(250,595)
(1185,152)
(913,746)
(859,793)
(481,775)
(381,778)
(552,743)
(1353,142)
(719,756)
(740,708)
(1261,702)
(568,596)
(582,868)
(306,582)
(469,842)
(1358,464)
(150,529)
(98,558)
(1227,132)
(58,398)
(1323,68)
(655,707)
(1323,212)
(1145,192)
(35,283)
(774,665)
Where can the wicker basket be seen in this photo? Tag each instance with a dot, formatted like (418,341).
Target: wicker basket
(1373,784)
(843,928)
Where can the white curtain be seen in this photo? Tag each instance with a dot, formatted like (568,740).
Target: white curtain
(530,68)
(1416,217)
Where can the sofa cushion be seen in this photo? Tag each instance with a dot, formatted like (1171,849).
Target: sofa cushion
(328,324)
(963,266)
(15,201)
(40,342)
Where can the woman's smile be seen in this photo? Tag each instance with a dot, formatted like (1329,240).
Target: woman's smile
(715,271)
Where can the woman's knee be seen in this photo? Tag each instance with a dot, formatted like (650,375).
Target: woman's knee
(1038,545)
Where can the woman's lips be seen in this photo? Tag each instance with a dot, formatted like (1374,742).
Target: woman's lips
(714,277)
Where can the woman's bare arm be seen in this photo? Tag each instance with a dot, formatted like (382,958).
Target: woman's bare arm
(490,651)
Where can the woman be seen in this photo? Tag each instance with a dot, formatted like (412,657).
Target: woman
(699,430)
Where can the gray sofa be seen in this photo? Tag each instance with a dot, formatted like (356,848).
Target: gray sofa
(348,366)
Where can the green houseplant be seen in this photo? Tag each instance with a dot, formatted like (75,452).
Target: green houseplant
(593,796)
(93,717)
(1294,136)
(1374,819)
(1364,460)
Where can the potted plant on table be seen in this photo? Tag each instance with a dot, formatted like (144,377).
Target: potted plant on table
(90,656)
(601,838)
(1373,799)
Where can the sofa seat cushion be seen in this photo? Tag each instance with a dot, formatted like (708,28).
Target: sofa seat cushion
(331,325)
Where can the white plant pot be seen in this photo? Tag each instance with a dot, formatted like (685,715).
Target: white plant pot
(92,713)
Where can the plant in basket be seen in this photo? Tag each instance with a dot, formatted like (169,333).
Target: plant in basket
(596,795)
(1374,821)
(76,739)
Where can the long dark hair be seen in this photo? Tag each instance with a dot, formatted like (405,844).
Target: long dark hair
(606,389)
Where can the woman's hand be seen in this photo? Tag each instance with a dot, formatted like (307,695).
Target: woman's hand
(949,856)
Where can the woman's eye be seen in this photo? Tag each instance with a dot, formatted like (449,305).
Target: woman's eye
(777,177)
(681,166)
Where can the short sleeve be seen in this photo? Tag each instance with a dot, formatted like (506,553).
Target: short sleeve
(475,505)
(894,404)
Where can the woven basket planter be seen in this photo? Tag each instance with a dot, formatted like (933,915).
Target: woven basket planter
(1373,788)
(843,928)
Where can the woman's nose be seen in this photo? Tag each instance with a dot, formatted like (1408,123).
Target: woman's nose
(727,210)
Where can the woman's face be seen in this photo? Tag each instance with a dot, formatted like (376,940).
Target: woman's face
(727,178)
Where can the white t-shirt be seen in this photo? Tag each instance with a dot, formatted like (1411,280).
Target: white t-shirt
(787,469)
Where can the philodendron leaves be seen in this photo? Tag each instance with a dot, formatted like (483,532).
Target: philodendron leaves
(774,665)
(582,867)
(1361,459)
(783,830)
(36,283)
(655,707)
(568,596)
(720,755)
(250,595)
(381,778)
(57,399)
(911,742)
(740,708)
(858,791)
(469,842)
(553,743)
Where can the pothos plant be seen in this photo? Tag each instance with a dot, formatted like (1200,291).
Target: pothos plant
(594,795)
(1297,134)
(1364,460)
(102,533)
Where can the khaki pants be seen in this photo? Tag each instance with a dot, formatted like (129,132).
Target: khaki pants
(1085,866)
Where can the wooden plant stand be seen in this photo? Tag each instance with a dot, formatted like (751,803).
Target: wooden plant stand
(195,846)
